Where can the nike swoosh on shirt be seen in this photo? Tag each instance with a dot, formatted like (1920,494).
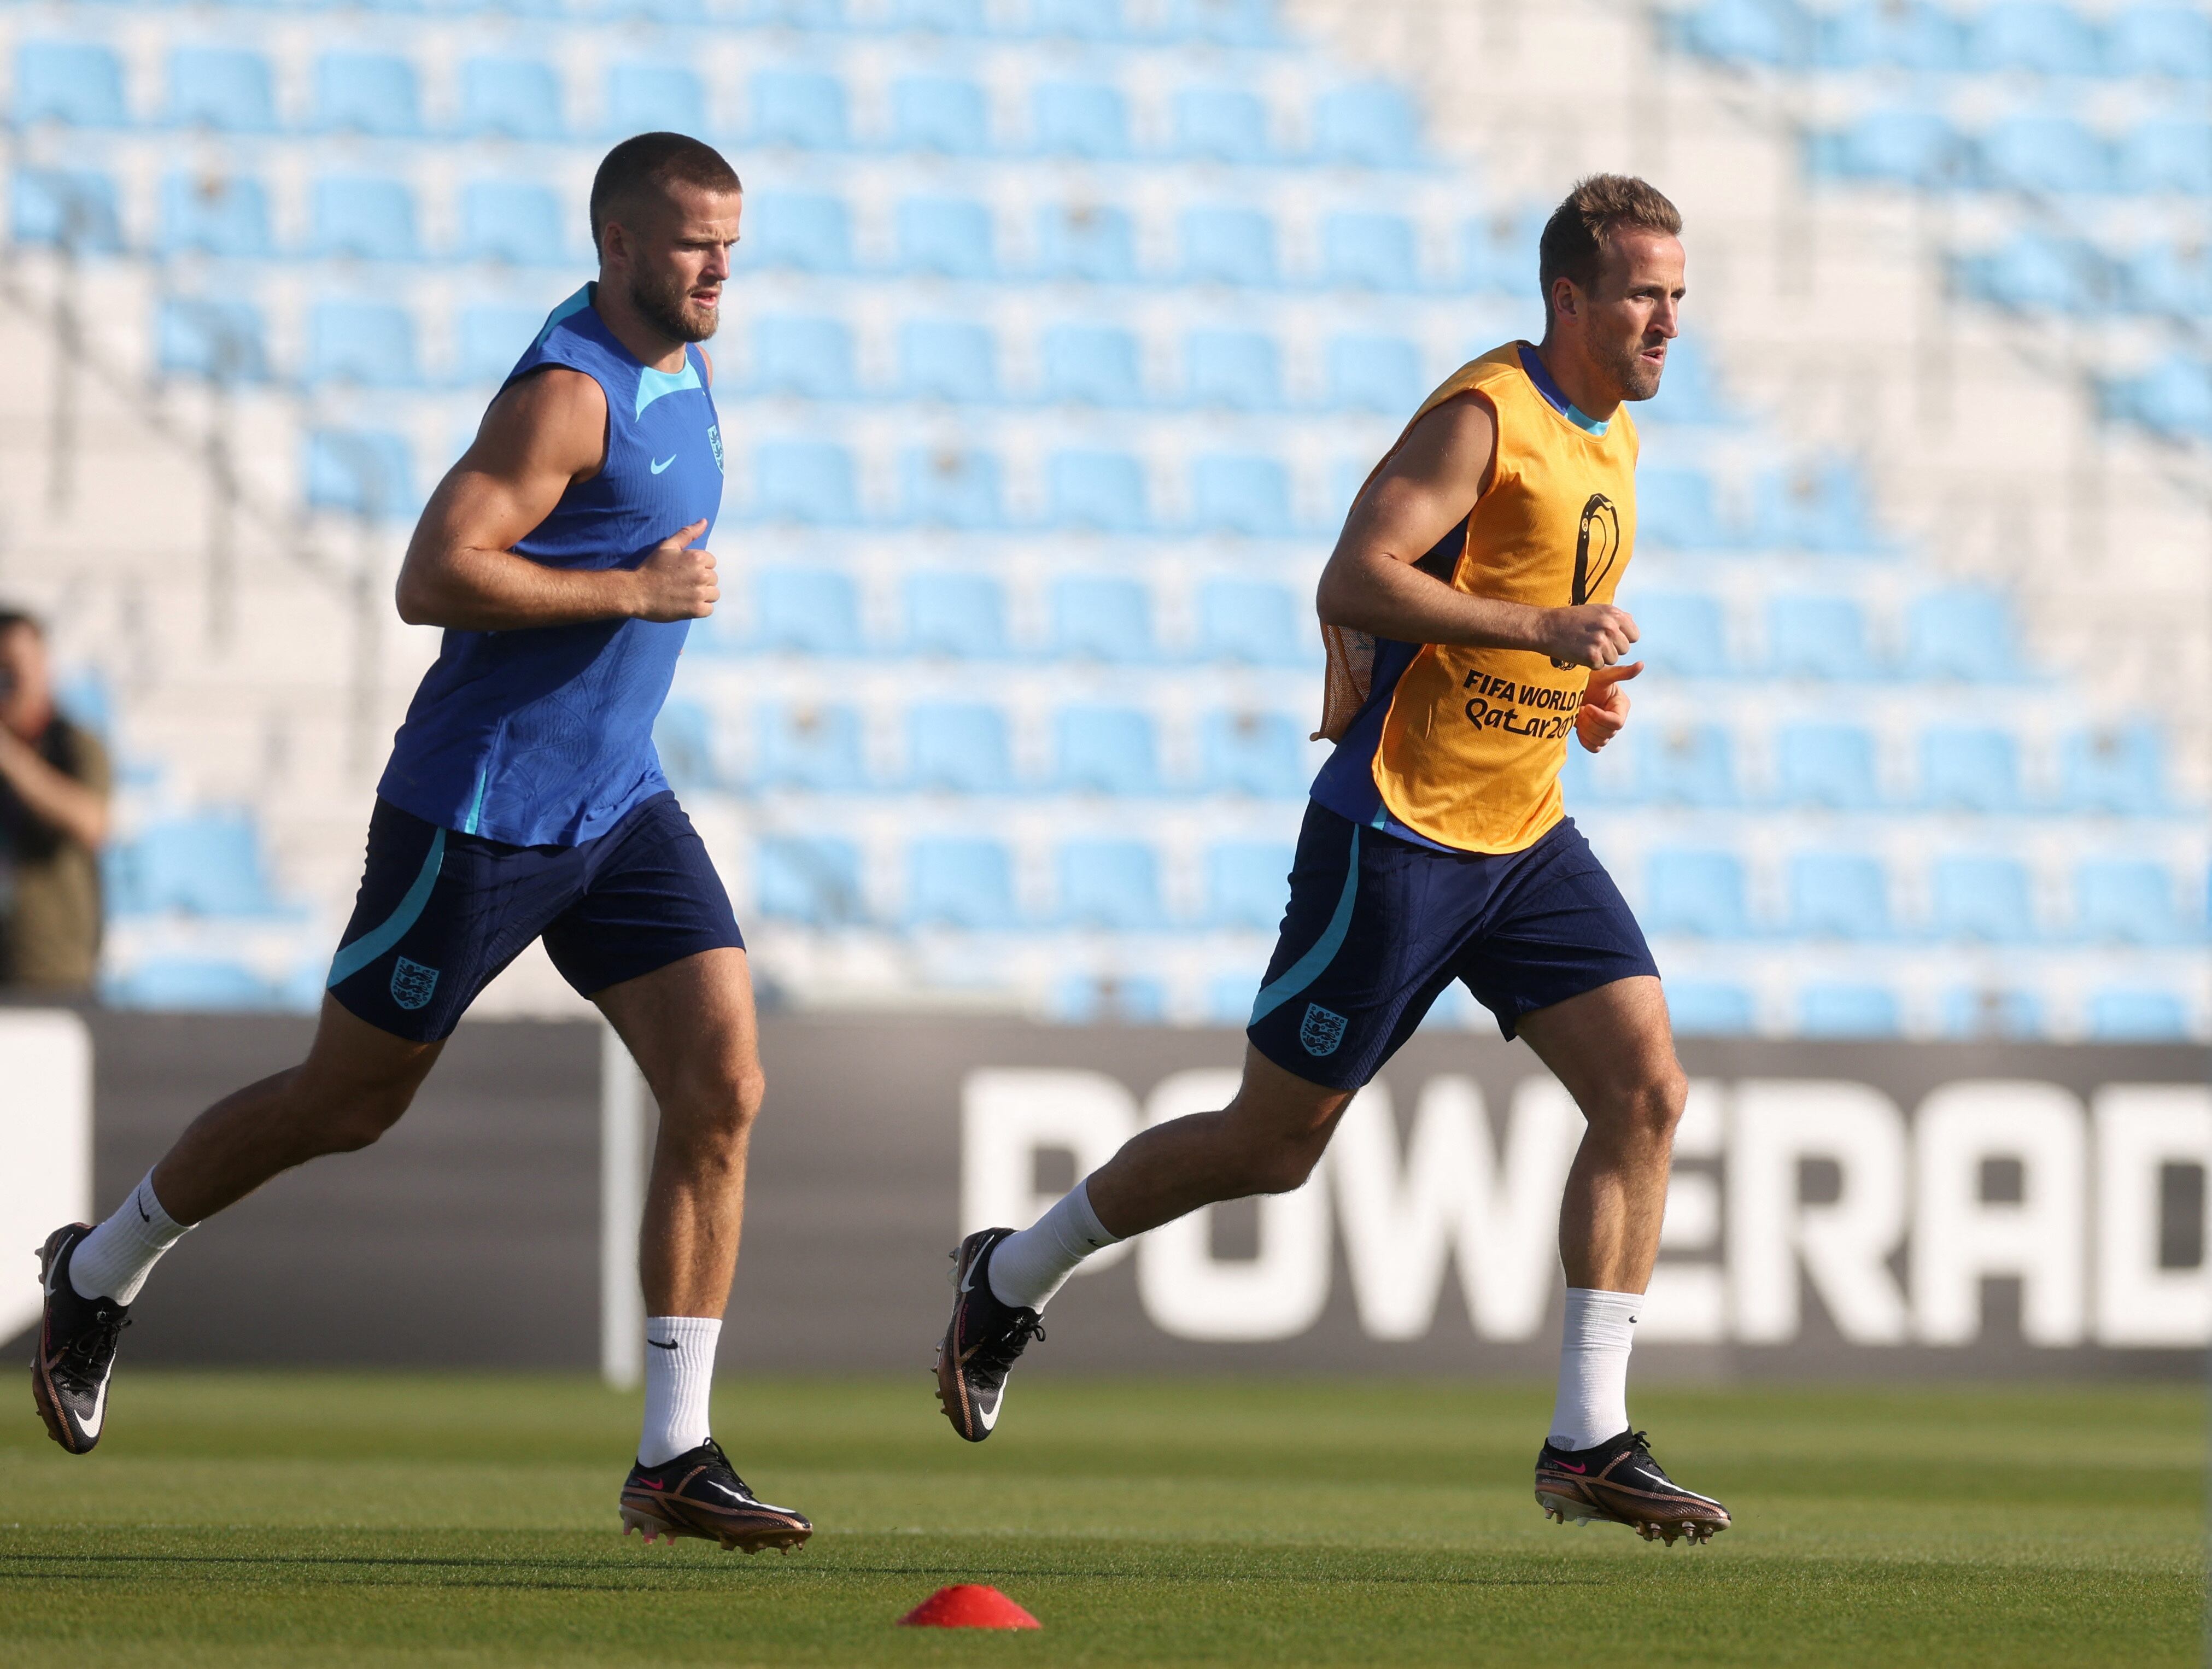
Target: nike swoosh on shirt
(660,464)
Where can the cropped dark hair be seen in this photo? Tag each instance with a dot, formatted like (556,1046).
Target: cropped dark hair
(1575,237)
(656,162)
(11,618)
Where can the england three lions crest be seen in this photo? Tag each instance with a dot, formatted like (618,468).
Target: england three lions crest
(1321,1030)
(412,983)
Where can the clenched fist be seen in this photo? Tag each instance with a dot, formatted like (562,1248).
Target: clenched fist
(674,583)
(1594,634)
(1605,706)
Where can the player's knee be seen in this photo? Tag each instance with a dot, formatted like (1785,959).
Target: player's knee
(358,1121)
(1651,1106)
(719,1104)
(1283,1166)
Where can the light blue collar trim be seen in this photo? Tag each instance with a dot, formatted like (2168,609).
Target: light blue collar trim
(651,384)
(569,309)
(1534,365)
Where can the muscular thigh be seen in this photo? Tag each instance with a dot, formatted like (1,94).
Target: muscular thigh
(1606,1042)
(690,1025)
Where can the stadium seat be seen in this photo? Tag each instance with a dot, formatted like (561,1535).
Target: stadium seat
(1370,126)
(949,359)
(212,215)
(2036,272)
(1838,896)
(960,615)
(1697,894)
(363,472)
(2045,154)
(1904,35)
(2042,36)
(228,88)
(1690,392)
(684,741)
(2121,771)
(2165,154)
(811,358)
(2173,397)
(1260,754)
(1242,370)
(1228,998)
(1745,32)
(812,610)
(1375,374)
(512,99)
(952,17)
(1113,884)
(1224,22)
(1079,20)
(216,339)
(1080,119)
(1252,621)
(1097,246)
(1370,251)
(1963,770)
(2160,38)
(805,482)
(1982,899)
(73,82)
(1102,618)
(1232,247)
(959,881)
(511,221)
(1103,492)
(365,219)
(2126,900)
(810,878)
(1817,637)
(1826,765)
(1910,147)
(946,238)
(1107,750)
(371,93)
(2171,279)
(1110,999)
(1818,507)
(1249,496)
(1962,635)
(188,984)
(1709,1008)
(1687,765)
(952,487)
(76,207)
(1683,632)
(1675,510)
(802,108)
(1499,251)
(807,231)
(1247,887)
(208,863)
(958,746)
(370,343)
(1839,1009)
(1093,365)
(1222,124)
(804,746)
(488,339)
(653,98)
(944,115)
(1977,1014)
(2128,1015)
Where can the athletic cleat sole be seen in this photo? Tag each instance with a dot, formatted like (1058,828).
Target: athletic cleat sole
(1560,1510)
(651,1525)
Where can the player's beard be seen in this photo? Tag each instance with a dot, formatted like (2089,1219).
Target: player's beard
(1638,379)
(667,305)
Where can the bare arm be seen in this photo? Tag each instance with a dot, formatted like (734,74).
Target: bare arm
(53,797)
(1371,584)
(541,435)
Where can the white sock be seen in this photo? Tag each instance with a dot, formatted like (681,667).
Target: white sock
(679,1378)
(113,1260)
(1027,1268)
(1593,1402)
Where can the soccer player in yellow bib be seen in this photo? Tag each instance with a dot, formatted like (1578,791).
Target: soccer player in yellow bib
(1469,617)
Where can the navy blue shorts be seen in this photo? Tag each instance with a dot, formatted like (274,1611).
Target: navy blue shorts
(441,913)
(1378,926)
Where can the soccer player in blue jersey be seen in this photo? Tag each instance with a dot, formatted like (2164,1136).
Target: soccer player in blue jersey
(564,556)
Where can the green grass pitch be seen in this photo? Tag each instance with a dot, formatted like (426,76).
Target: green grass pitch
(268,1520)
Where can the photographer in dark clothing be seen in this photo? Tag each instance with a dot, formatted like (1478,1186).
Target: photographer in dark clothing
(54,785)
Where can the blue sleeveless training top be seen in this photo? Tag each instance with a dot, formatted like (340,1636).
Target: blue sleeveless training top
(544,737)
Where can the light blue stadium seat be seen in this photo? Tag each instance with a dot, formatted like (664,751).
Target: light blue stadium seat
(1373,126)
(960,615)
(1254,622)
(1683,634)
(1222,124)
(1224,22)
(2165,154)
(208,215)
(808,16)
(1249,496)
(958,746)
(1232,247)
(1838,896)
(1113,884)
(952,17)
(1687,765)
(1375,374)
(818,748)
(810,878)
(1690,392)
(1818,637)
(1697,894)
(365,219)
(805,482)
(1971,1013)
(2160,38)
(2174,397)
(371,344)
(653,98)
(504,220)
(1366,251)
(2126,900)
(77,207)
(1093,365)
(805,109)
(1841,1010)
(208,863)
(1675,510)
(1905,34)
(946,237)
(1260,754)
(2132,1014)
(960,882)
(364,472)
(813,611)
(228,88)
(1080,119)
(511,98)
(74,81)
(1095,244)
(1101,491)
(1962,634)
(2036,271)
(2048,154)
(944,115)
(1826,765)
(809,231)
(1107,750)
(1247,887)
(952,487)
(1242,370)
(1228,998)
(188,984)
(371,93)
(683,740)
(2044,36)
(1746,32)
(1911,147)
(1498,251)
(216,339)
(1819,507)
(1709,1008)
(1969,769)
(2121,771)
(811,358)
(2171,278)
(949,359)
(1080,20)
(1983,898)
(489,337)
(1101,617)
(1110,999)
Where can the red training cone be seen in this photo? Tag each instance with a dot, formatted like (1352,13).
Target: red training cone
(968,1606)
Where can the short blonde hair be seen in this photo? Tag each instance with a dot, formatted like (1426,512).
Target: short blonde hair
(1575,237)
